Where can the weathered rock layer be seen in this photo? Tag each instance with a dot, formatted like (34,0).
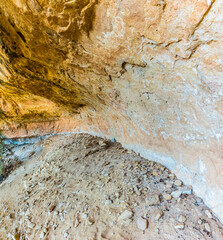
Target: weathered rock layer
(148,73)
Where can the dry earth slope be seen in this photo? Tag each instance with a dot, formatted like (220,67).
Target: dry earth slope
(80,187)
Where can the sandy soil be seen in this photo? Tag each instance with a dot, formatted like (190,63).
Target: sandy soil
(80,187)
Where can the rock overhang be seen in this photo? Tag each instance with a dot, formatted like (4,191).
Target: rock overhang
(147,73)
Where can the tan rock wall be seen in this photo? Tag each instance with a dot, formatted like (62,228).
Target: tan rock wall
(148,73)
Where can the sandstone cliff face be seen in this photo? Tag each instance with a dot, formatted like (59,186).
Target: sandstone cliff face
(148,73)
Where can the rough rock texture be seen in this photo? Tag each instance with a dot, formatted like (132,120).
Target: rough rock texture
(148,73)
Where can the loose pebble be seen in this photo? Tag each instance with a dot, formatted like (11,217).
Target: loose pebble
(180,226)
(155,173)
(182,219)
(66,235)
(125,215)
(182,190)
(208,213)
(102,143)
(178,183)
(117,194)
(90,221)
(176,194)
(167,196)
(84,216)
(108,202)
(186,190)
(142,223)
(207,227)
(199,221)
(158,215)
(41,235)
(17,236)
(172,176)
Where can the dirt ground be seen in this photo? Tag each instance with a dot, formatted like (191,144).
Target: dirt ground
(81,187)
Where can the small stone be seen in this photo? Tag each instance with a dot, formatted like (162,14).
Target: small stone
(52,207)
(158,215)
(153,200)
(56,213)
(61,216)
(186,190)
(167,196)
(17,236)
(180,226)
(102,143)
(207,227)
(76,223)
(90,221)
(125,215)
(183,190)
(155,173)
(106,163)
(106,196)
(125,204)
(66,235)
(84,216)
(169,185)
(117,194)
(142,223)
(172,176)
(54,227)
(135,204)
(208,213)
(138,193)
(104,173)
(41,235)
(182,219)
(178,183)
(199,221)
(108,202)
(176,194)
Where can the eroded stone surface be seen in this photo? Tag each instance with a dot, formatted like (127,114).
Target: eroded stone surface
(147,73)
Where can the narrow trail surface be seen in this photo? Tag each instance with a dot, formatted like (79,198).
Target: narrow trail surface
(81,187)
